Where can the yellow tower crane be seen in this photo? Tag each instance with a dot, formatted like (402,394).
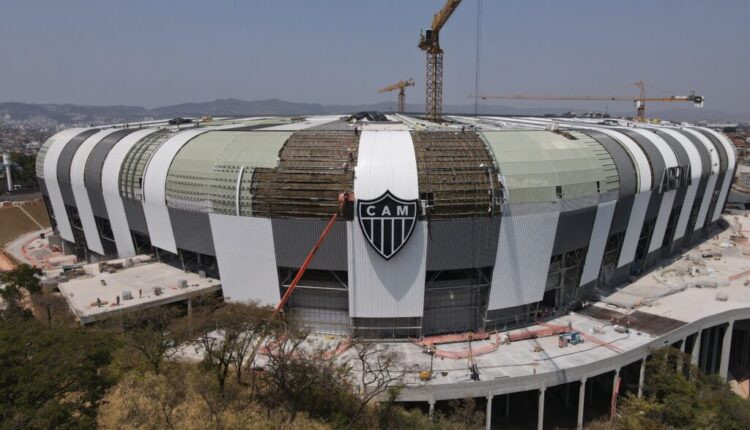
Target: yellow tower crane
(640,101)
(429,41)
(400,86)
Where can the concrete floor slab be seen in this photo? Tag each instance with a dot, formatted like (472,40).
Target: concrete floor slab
(140,280)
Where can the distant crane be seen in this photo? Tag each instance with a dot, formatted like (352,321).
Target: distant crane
(400,86)
(640,101)
(429,41)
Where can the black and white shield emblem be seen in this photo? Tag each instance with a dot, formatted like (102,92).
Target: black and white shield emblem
(387,222)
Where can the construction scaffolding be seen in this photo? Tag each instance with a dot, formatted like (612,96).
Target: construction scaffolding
(457,175)
(314,168)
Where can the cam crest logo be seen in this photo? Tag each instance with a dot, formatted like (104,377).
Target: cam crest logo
(387,222)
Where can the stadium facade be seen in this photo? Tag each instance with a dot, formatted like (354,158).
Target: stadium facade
(475,224)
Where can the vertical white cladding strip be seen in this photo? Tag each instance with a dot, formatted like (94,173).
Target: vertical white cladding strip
(711,184)
(50,180)
(731,161)
(111,191)
(524,250)
(247,261)
(662,219)
(599,235)
(633,232)
(154,189)
(642,197)
(695,176)
(379,287)
(667,200)
(83,204)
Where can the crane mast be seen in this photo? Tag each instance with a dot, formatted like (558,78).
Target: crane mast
(429,41)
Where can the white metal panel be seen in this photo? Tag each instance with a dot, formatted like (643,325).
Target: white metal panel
(731,161)
(111,191)
(599,235)
(712,178)
(696,167)
(247,261)
(670,159)
(386,161)
(667,199)
(154,189)
(83,204)
(524,250)
(640,160)
(633,231)
(307,123)
(50,180)
(662,219)
(379,287)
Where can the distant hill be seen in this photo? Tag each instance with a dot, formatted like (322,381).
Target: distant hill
(69,114)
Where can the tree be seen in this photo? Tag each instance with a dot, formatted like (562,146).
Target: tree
(51,378)
(302,378)
(25,169)
(377,369)
(244,322)
(678,395)
(228,334)
(22,278)
(54,306)
(154,334)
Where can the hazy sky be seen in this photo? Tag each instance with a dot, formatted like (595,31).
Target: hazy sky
(162,52)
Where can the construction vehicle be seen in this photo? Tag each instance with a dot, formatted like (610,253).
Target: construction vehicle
(400,86)
(572,338)
(640,101)
(343,199)
(429,41)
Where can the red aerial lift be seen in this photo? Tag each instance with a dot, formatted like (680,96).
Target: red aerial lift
(346,196)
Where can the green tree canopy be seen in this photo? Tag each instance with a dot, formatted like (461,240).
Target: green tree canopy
(51,378)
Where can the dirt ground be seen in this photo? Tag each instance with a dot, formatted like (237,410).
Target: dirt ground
(14,222)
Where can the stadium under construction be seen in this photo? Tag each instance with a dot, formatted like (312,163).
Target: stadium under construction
(472,225)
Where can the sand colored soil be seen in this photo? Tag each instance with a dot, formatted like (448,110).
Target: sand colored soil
(14,221)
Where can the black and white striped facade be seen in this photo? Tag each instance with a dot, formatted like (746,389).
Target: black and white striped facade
(522,239)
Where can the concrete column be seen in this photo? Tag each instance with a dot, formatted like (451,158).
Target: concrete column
(682,350)
(642,377)
(432,408)
(581,402)
(488,414)
(695,353)
(540,410)
(615,391)
(189,306)
(725,350)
